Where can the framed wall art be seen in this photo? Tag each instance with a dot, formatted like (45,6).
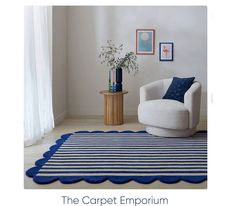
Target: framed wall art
(145,41)
(166,51)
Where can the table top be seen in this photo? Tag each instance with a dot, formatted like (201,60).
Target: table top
(106,92)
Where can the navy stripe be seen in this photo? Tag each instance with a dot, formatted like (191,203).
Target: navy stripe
(183,164)
(85,149)
(129,143)
(104,169)
(132,152)
(133,156)
(125,156)
(129,153)
(137,159)
(117,172)
(95,161)
(161,160)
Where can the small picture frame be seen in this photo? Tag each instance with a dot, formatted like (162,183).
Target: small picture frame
(145,41)
(166,51)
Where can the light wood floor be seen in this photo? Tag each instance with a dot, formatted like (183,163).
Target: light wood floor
(35,152)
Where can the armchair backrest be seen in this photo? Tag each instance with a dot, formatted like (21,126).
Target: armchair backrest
(154,90)
(166,84)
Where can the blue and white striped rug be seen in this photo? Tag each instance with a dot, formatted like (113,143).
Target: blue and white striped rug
(121,157)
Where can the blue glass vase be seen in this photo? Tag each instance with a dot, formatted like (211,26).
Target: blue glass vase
(109,83)
(119,79)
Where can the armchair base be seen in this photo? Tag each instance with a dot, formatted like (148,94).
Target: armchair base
(162,132)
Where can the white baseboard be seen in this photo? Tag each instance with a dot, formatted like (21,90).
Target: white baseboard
(202,118)
(85,116)
(60,117)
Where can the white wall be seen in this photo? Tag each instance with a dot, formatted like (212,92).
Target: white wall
(60,70)
(91,27)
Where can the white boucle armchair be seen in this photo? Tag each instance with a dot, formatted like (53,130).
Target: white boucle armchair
(165,117)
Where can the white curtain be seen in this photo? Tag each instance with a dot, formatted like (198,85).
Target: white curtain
(38,112)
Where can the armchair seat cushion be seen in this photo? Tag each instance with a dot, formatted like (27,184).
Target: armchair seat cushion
(164,113)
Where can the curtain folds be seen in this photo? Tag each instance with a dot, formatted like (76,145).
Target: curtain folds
(38,111)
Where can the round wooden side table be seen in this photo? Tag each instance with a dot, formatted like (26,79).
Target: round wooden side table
(113,107)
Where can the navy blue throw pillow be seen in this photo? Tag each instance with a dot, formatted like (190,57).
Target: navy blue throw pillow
(178,88)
